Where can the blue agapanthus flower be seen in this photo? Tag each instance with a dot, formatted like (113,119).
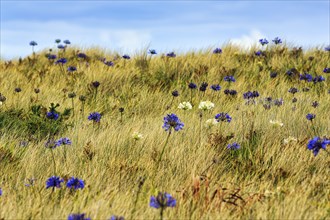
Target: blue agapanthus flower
(318,79)
(316,144)
(251,95)
(273,74)
(152,51)
(33,43)
(278,102)
(229,79)
(63,141)
(54,181)
(82,55)
(78,217)
(61,46)
(175,93)
(263,41)
(217,51)
(223,117)
(172,121)
(51,56)
(192,86)
(231,92)
(61,61)
(72,68)
(115,217)
(75,183)
(171,54)
(277,40)
(58,41)
(216,87)
(293,90)
(307,77)
(326,70)
(310,116)
(94,116)
(0,192)
(66,42)
(52,115)
(258,53)
(203,86)
(162,200)
(327,48)
(126,57)
(109,63)
(233,146)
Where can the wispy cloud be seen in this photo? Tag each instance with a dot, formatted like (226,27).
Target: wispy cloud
(248,41)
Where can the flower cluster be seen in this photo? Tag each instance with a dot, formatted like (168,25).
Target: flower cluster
(52,115)
(185,106)
(172,121)
(162,200)
(217,51)
(229,79)
(263,41)
(75,183)
(310,116)
(251,95)
(316,144)
(223,117)
(63,141)
(203,86)
(94,116)
(215,87)
(233,146)
(78,216)
(206,105)
(231,92)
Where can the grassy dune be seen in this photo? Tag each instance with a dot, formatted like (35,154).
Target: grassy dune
(264,179)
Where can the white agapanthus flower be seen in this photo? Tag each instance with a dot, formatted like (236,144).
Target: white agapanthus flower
(290,139)
(137,136)
(185,106)
(206,105)
(211,122)
(275,122)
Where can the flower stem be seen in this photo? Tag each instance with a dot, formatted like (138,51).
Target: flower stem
(161,213)
(54,163)
(72,107)
(161,154)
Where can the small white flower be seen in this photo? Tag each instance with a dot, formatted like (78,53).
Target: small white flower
(206,105)
(290,139)
(137,136)
(275,122)
(185,106)
(211,122)
(0,103)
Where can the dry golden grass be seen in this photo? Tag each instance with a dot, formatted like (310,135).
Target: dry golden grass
(265,179)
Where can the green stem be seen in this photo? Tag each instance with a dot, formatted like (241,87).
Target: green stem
(161,213)
(200,128)
(72,107)
(191,96)
(54,163)
(161,155)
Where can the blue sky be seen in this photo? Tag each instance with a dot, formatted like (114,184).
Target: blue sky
(128,26)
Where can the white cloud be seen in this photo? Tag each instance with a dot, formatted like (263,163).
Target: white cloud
(248,41)
(44,33)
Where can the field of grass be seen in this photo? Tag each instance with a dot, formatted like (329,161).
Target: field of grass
(265,178)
